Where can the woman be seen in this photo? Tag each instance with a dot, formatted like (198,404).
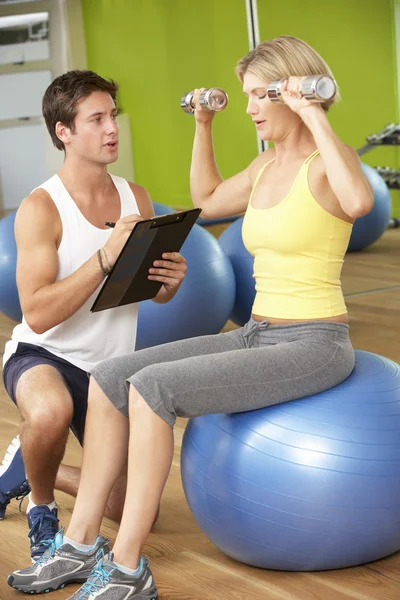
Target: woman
(301,198)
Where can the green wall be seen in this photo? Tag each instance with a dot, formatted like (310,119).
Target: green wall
(356,38)
(159,49)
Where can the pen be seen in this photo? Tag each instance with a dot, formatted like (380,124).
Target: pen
(109,224)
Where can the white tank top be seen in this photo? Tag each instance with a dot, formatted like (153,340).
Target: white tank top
(85,338)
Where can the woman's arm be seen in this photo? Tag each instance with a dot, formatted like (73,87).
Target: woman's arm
(216,197)
(342,165)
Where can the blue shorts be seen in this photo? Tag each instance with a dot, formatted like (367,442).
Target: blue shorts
(27,356)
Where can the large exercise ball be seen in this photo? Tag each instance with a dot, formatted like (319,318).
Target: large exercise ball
(9,301)
(204,301)
(162,209)
(242,262)
(369,228)
(309,485)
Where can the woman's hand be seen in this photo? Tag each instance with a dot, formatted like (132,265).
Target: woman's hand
(292,96)
(200,114)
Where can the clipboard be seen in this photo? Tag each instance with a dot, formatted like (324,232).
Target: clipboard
(128,280)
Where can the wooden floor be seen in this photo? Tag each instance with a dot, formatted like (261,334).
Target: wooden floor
(186,565)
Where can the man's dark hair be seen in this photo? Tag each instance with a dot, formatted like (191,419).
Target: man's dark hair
(61,98)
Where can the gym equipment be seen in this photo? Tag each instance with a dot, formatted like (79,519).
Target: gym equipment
(242,262)
(390,176)
(394,223)
(369,228)
(161,209)
(204,301)
(389,136)
(206,222)
(320,88)
(307,485)
(386,173)
(9,300)
(213,99)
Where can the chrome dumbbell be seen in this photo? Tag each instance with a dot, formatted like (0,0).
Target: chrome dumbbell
(213,99)
(319,88)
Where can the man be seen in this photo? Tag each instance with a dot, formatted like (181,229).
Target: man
(64,253)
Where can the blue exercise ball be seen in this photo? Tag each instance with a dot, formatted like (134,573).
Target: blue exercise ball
(162,209)
(243,263)
(369,228)
(204,301)
(9,300)
(308,485)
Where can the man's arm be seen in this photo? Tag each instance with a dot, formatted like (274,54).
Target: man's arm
(46,302)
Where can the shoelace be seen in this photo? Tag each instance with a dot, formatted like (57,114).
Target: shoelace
(49,553)
(99,578)
(22,493)
(43,523)
(18,493)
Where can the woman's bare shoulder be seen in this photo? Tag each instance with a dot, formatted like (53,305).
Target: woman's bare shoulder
(259,162)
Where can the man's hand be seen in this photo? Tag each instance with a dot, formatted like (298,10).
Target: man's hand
(120,234)
(170,271)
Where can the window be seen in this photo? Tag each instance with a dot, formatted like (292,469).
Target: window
(30,58)
(24,38)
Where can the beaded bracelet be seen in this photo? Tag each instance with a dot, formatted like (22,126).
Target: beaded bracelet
(102,267)
(105,257)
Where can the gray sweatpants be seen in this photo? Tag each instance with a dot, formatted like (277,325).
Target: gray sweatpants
(252,367)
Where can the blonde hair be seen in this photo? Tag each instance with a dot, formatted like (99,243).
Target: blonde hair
(283,57)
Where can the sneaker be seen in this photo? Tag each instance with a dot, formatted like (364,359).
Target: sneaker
(108,582)
(43,525)
(60,565)
(13,482)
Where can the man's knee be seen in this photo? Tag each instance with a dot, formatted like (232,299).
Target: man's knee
(49,422)
(42,389)
(44,401)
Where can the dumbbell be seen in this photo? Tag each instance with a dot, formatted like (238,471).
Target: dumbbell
(314,87)
(386,172)
(394,181)
(394,223)
(213,99)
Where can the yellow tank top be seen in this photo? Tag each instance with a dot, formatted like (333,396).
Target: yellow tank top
(298,250)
